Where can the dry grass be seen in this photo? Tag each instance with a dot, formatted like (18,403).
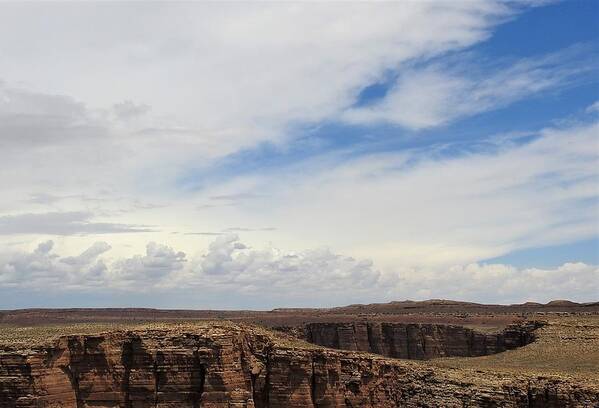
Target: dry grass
(28,337)
(32,336)
(567,346)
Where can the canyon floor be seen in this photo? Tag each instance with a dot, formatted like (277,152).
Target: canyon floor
(451,354)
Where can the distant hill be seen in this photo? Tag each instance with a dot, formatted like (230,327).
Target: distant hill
(396,310)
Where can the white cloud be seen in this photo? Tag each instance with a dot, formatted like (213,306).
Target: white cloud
(415,214)
(87,256)
(419,207)
(229,262)
(231,65)
(207,80)
(116,118)
(62,223)
(504,283)
(157,263)
(127,112)
(229,267)
(41,269)
(594,108)
(437,94)
(35,120)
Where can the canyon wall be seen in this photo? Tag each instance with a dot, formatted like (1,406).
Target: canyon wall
(414,340)
(238,367)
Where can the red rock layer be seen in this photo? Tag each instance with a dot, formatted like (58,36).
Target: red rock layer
(416,341)
(233,367)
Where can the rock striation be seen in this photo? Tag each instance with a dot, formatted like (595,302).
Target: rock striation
(239,366)
(415,340)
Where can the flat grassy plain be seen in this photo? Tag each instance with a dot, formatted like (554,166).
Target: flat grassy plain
(567,346)
(30,337)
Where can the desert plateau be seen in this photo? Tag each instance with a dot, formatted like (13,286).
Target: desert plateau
(401,354)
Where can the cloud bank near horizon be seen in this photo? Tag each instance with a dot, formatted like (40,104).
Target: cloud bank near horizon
(230,266)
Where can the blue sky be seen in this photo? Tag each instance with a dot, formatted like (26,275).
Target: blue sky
(533,32)
(372,153)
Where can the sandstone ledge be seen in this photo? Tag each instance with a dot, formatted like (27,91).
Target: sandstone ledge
(225,365)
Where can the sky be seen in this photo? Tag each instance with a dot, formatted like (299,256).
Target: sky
(262,155)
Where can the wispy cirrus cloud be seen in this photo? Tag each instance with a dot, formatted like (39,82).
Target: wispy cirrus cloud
(417,207)
(62,223)
(216,105)
(440,92)
(229,100)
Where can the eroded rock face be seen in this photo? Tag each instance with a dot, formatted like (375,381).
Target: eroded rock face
(238,367)
(416,341)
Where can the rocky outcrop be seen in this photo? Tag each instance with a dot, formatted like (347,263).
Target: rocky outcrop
(233,366)
(414,340)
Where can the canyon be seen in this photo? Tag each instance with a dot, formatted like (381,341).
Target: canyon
(548,361)
(414,340)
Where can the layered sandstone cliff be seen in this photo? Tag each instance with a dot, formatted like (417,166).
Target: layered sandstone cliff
(232,366)
(415,340)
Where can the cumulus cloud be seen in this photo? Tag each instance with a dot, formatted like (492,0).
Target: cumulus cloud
(42,269)
(62,223)
(226,264)
(229,262)
(230,266)
(88,255)
(504,283)
(158,262)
